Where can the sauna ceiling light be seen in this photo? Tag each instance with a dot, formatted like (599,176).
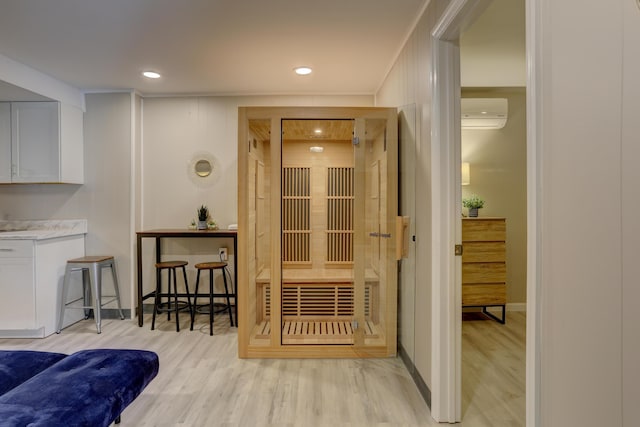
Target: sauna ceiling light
(303,71)
(151,74)
(317,131)
(316,149)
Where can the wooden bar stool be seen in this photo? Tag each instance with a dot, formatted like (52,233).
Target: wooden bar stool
(91,268)
(211,267)
(176,305)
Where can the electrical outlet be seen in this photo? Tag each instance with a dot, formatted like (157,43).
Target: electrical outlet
(222,252)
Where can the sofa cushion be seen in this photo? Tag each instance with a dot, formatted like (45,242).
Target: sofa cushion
(87,388)
(17,366)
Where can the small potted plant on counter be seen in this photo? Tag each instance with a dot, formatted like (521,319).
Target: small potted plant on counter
(473,203)
(203,216)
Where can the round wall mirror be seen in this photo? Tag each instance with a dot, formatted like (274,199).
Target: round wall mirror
(203,168)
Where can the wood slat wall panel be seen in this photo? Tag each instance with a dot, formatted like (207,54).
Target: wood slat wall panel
(340,200)
(296,214)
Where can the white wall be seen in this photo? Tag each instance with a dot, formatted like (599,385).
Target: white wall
(492,50)
(630,179)
(589,336)
(409,83)
(174,131)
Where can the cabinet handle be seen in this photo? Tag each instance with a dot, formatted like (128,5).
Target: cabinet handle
(6,250)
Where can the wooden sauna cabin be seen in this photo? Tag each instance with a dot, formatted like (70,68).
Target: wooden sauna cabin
(317,207)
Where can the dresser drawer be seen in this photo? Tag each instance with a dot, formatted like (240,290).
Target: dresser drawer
(16,248)
(484,252)
(484,272)
(486,294)
(483,230)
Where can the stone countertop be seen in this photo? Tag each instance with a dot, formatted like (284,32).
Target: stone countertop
(41,229)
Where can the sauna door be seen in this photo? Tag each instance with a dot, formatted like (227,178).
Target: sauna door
(374,263)
(333,240)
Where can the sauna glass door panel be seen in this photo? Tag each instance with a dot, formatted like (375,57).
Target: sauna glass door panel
(317,180)
(258,230)
(373,262)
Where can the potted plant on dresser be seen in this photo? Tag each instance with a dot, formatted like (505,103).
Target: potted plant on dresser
(473,203)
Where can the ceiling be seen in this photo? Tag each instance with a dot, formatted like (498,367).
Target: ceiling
(214,47)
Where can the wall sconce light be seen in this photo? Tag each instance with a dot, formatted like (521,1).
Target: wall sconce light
(466,175)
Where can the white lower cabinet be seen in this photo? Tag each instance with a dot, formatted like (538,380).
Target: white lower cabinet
(31,275)
(17,308)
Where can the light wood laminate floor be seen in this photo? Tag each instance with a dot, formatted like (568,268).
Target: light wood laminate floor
(493,371)
(202,382)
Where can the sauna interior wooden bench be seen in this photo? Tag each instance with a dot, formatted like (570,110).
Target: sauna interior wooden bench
(317,306)
(86,388)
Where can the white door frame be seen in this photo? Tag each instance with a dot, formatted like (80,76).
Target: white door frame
(446,208)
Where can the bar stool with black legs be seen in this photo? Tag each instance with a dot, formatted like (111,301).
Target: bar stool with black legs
(175,306)
(211,267)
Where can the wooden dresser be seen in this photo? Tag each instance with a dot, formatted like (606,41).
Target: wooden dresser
(484,267)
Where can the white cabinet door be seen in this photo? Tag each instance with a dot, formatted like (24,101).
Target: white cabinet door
(35,137)
(5,142)
(17,294)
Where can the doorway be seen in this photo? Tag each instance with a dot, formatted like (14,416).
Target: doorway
(446,402)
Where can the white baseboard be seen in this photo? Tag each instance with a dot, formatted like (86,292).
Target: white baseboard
(517,306)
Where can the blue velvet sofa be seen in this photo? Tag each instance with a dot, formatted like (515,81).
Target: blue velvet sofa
(87,388)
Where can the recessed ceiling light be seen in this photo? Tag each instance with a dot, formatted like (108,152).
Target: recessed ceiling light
(316,149)
(303,71)
(151,74)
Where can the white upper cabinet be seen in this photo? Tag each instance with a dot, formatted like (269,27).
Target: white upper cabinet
(46,143)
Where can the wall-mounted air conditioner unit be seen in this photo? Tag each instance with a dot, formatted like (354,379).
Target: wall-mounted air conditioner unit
(484,113)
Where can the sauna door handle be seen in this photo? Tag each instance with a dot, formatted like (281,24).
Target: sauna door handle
(402,237)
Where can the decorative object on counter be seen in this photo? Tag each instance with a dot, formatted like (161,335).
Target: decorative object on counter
(203,217)
(473,203)
(211,225)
